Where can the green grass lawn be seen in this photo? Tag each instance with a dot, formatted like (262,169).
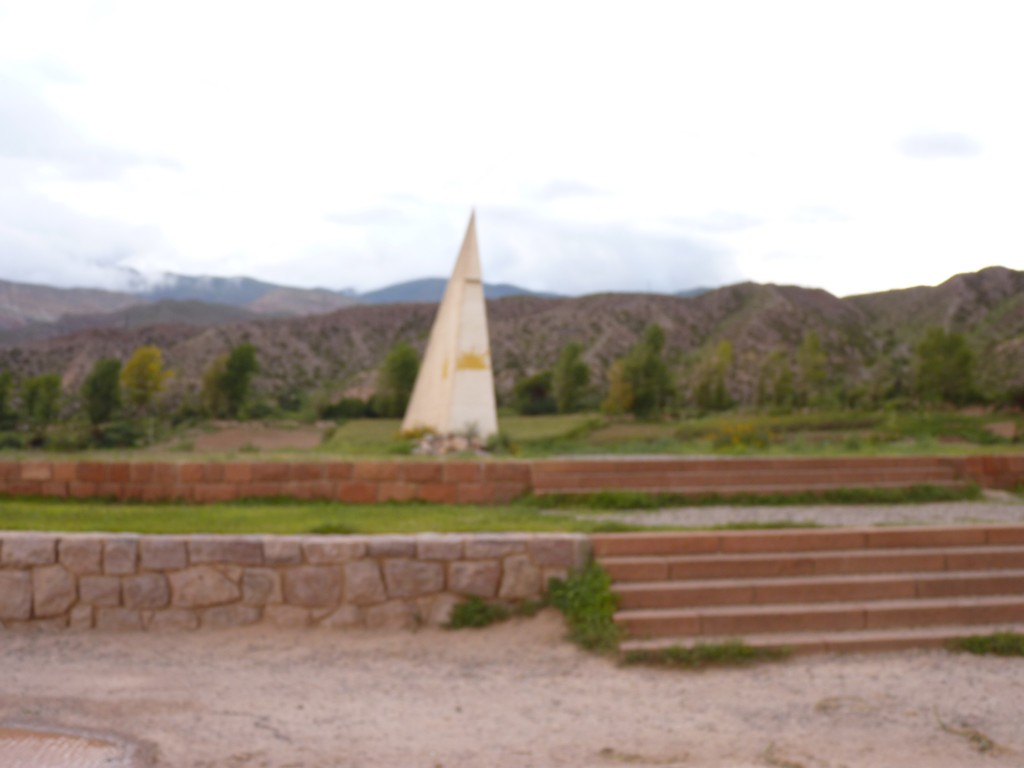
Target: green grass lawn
(285,517)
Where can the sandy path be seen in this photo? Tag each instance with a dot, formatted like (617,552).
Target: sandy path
(513,695)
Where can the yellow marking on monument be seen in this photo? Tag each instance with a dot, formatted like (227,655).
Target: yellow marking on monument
(444,370)
(471,361)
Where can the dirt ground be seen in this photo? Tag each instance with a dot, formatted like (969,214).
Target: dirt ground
(512,695)
(234,437)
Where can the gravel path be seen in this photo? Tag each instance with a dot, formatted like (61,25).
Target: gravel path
(1000,508)
(504,697)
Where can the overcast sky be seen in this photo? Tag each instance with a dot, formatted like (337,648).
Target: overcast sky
(852,146)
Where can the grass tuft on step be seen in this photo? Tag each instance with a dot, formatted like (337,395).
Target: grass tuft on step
(586,599)
(996,644)
(729,653)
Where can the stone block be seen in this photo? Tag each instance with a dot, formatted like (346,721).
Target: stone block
(411,578)
(396,614)
(357,492)
(261,586)
(437,611)
(307,472)
(147,591)
(238,472)
(331,550)
(202,586)
(15,595)
(118,619)
(173,620)
(100,590)
(81,617)
(363,583)
(438,493)
(421,472)
(225,549)
(338,471)
(271,472)
(439,548)
(53,591)
(475,577)
(391,546)
(376,471)
(312,586)
(120,556)
(520,579)
(282,551)
(236,615)
(488,547)
(286,616)
(36,470)
(81,556)
(461,472)
(158,553)
(561,552)
(345,617)
(396,491)
(22,550)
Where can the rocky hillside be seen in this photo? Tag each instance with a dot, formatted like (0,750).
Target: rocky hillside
(864,337)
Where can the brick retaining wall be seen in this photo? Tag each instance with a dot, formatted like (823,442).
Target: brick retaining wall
(131,582)
(483,482)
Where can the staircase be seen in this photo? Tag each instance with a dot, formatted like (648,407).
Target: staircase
(812,590)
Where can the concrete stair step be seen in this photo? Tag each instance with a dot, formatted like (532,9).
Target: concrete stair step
(803,540)
(838,642)
(818,589)
(745,482)
(823,617)
(818,563)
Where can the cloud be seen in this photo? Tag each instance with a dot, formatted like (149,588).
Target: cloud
(722,222)
(929,146)
(560,189)
(566,257)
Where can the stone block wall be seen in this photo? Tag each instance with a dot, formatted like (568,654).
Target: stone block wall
(363,482)
(131,582)
(490,482)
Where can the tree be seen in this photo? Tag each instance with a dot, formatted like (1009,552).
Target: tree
(8,418)
(644,376)
(944,369)
(212,393)
(570,378)
(620,391)
(775,386)
(238,372)
(40,400)
(396,379)
(811,362)
(532,395)
(710,392)
(143,376)
(101,391)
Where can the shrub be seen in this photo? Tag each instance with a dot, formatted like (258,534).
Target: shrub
(588,603)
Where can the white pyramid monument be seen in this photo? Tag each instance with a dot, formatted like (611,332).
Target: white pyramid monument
(454,391)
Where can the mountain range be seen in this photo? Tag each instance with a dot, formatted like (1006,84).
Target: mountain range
(868,340)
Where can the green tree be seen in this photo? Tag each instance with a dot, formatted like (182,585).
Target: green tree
(40,400)
(944,367)
(620,391)
(710,392)
(775,386)
(212,392)
(533,395)
(811,362)
(143,376)
(101,393)
(8,417)
(237,375)
(396,379)
(570,378)
(647,373)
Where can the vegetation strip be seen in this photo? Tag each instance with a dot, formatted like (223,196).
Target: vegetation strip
(729,653)
(996,644)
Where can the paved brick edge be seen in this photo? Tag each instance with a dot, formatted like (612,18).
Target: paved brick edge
(123,582)
(486,482)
